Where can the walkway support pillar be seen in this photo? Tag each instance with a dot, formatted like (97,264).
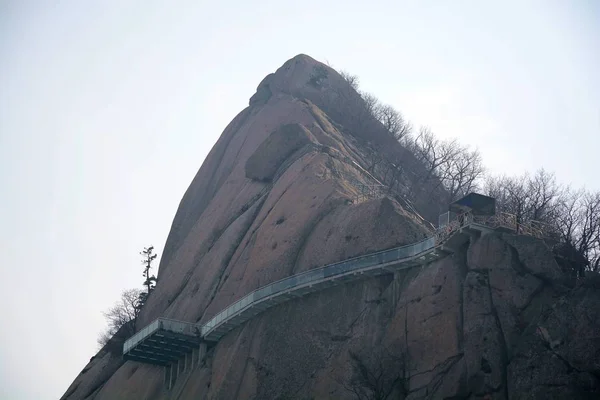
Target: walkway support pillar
(166,377)
(172,378)
(201,352)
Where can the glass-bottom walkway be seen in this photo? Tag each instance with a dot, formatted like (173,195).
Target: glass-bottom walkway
(162,342)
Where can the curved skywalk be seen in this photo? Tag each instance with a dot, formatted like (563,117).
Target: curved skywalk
(317,279)
(166,341)
(179,345)
(444,241)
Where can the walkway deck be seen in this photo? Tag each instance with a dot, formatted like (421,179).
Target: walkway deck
(164,341)
(318,279)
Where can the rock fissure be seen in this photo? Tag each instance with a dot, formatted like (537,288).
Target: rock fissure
(504,348)
(438,375)
(182,285)
(307,150)
(234,248)
(214,239)
(521,265)
(448,362)
(358,317)
(432,316)
(229,257)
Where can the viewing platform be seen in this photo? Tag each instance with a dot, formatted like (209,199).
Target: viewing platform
(162,342)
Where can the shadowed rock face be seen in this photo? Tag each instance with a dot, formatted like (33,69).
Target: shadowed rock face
(272,199)
(275,150)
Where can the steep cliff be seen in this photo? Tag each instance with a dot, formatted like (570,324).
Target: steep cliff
(277,196)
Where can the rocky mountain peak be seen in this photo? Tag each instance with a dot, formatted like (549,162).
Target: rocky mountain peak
(282,192)
(301,76)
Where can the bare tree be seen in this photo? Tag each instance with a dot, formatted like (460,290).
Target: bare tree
(393,121)
(104,338)
(543,193)
(395,178)
(573,215)
(529,198)
(512,196)
(352,80)
(588,240)
(432,153)
(377,375)
(578,221)
(393,173)
(371,104)
(360,111)
(594,251)
(374,159)
(517,195)
(568,219)
(453,170)
(123,314)
(460,174)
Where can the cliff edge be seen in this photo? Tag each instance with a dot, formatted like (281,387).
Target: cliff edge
(278,195)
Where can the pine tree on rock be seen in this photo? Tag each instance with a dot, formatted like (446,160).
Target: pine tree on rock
(150,280)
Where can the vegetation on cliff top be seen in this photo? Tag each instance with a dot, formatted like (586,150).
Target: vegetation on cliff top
(457,169)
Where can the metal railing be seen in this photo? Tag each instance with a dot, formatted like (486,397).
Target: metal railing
(450,223)
(318,274)
(365,191)
(534,228)
(538,229)
(355,264)
(498,220)
(141,335)
(165,324)
(402,254)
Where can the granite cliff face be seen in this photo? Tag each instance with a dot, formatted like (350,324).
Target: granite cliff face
(276,196)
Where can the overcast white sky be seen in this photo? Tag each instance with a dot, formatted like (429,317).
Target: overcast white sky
(108,108)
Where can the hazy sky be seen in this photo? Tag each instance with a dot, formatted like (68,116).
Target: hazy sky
(107,111)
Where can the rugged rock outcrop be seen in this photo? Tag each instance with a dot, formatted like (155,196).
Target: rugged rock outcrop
(275,197)
(278,147)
